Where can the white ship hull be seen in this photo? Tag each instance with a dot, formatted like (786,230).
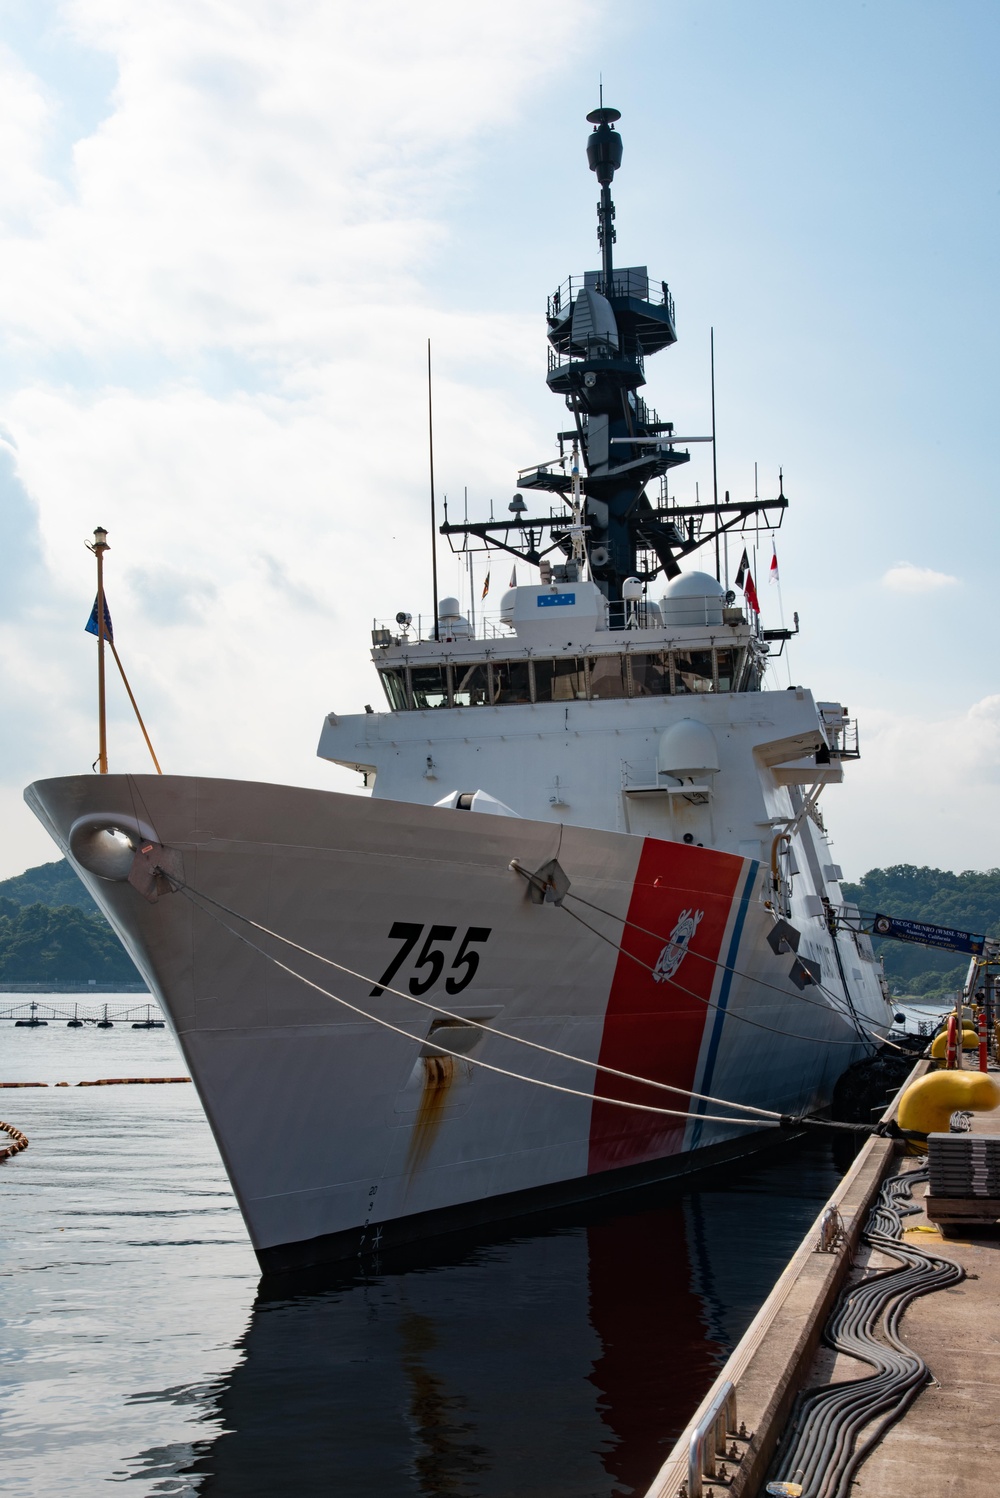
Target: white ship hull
(342,1137)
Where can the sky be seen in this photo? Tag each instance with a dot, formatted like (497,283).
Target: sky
(227,231)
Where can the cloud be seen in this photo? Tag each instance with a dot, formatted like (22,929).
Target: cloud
(904,577)
(22,576)
(926,790)
(264,168)
(168,596)
(217,351)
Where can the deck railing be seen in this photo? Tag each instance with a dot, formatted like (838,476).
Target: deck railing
(595,351)
(626,283)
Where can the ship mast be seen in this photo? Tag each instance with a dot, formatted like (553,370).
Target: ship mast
(602,327)
(604,153)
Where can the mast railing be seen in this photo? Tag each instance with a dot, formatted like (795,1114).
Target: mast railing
(624,283)
(596,351)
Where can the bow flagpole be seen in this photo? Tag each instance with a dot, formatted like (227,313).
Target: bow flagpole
(99,546)
(99,624)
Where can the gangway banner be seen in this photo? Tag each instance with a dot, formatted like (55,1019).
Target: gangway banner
(945,937)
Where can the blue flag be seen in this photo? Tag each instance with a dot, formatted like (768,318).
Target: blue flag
(91,625)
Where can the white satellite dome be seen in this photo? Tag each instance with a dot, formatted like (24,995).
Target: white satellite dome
(452,624)
(693,598)
(687,749)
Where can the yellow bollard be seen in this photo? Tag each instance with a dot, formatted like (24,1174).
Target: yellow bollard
(970,1041)
(927,1104)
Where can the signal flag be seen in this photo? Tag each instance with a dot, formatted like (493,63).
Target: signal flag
(92,626)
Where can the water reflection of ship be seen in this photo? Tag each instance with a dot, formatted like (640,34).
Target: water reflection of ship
(509,1368)
(561,1360)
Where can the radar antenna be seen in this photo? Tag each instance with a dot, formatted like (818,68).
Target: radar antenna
(602,326)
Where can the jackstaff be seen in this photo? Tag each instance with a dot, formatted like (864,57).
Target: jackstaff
(99,546)
(99,624)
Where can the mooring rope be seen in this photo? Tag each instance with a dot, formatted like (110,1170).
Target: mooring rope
(765,1116)
(730,1013)
(486,1027)
(835,1002)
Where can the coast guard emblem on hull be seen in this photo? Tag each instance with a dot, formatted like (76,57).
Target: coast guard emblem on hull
(674,952)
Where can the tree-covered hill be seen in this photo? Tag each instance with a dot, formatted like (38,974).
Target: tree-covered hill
(52,932)
(60,944)
(49,884)
(969,901)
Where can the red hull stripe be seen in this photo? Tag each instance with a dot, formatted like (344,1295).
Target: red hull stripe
(651,1027)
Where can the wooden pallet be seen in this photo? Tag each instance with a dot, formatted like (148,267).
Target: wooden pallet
(950,1213)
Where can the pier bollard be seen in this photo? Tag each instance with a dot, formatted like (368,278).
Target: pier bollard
(926,1106)
(939,1046)
(708,1439)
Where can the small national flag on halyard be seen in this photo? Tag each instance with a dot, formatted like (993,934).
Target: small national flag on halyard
(91,625)
(750,592)
(513,577)
(773,571)
(486,585)
(742,570)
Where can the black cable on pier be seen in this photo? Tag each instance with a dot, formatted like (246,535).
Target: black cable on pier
(822,1447)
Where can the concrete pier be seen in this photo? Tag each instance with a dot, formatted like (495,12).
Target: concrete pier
(946,1441)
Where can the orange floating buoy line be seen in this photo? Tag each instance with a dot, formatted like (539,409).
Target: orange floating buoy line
(20,1142)
(103,1082)
(130,1081)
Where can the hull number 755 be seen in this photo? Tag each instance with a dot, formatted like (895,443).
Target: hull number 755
(430,961)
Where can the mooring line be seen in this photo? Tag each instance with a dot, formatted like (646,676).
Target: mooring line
(766,1117)
(834,999)
(760,1120)
(709,1003)
(487,1028)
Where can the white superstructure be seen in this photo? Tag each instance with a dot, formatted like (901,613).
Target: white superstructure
(660,728)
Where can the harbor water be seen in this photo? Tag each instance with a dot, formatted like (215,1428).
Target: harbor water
(558,1356)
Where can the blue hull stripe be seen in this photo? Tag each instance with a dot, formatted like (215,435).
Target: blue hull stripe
(719,1014)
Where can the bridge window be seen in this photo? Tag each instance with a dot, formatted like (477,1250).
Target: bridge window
(693,671)
(429,685)
(560,681)
(728,666)
(511,681)
(650,674)
(394,686)
(472,684)
(598,677)
(608,676)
